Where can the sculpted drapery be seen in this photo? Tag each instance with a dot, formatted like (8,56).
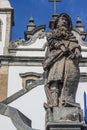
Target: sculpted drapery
(61,64)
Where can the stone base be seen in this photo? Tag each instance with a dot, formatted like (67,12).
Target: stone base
(56,114)
(64,126)
(64,118)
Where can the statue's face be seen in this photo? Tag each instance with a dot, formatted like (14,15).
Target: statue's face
(62,22)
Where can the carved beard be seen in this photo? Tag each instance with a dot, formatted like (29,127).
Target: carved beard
(61,32)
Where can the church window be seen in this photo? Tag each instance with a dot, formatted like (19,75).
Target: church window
(0,30)
(29,81)
(28,78)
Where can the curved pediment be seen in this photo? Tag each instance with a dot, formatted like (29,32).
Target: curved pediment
(36,29)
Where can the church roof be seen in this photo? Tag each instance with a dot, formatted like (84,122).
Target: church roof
(5,4)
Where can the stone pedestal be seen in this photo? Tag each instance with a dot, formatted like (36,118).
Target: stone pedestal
(64,126)
(64,118)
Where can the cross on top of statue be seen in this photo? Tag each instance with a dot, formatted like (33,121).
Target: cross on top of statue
(55,8)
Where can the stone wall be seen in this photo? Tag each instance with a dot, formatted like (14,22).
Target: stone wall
(3,82)
(8,31)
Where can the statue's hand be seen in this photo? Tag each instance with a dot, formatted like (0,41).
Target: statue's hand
(78,53)
(72,56)
(64,49)
(75,56)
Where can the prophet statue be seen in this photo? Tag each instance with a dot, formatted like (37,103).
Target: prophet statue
(61,63)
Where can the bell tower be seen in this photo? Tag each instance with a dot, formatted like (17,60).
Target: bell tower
(6,23)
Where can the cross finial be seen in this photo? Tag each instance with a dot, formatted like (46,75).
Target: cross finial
(55,8)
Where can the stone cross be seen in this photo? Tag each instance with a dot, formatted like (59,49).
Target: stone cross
(55,8)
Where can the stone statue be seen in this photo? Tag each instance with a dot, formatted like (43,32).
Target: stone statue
(61,64)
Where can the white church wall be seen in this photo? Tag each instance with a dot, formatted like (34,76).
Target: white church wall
(38,44)
(84,47)
(83,69)
(81,88)
(14,79)
(80,94)
(2,43)
(6,124)
(31,104)
(84,54)
(31,53)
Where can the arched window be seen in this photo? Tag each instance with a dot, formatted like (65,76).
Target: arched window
(28,78)
(29,81)
(0,30)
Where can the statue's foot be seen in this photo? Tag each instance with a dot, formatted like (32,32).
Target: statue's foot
(46,106)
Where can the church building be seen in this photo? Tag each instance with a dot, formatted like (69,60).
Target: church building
(21,63)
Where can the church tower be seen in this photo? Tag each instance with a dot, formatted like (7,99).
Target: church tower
(6,23)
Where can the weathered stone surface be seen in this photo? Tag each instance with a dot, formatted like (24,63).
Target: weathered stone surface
(65,114)
(20,121)
(61,63)
(62,76)
(3,82)
(23,91)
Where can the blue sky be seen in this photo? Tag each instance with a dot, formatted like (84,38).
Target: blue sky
(41,11)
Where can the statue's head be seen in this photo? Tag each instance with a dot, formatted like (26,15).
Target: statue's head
(63,21)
